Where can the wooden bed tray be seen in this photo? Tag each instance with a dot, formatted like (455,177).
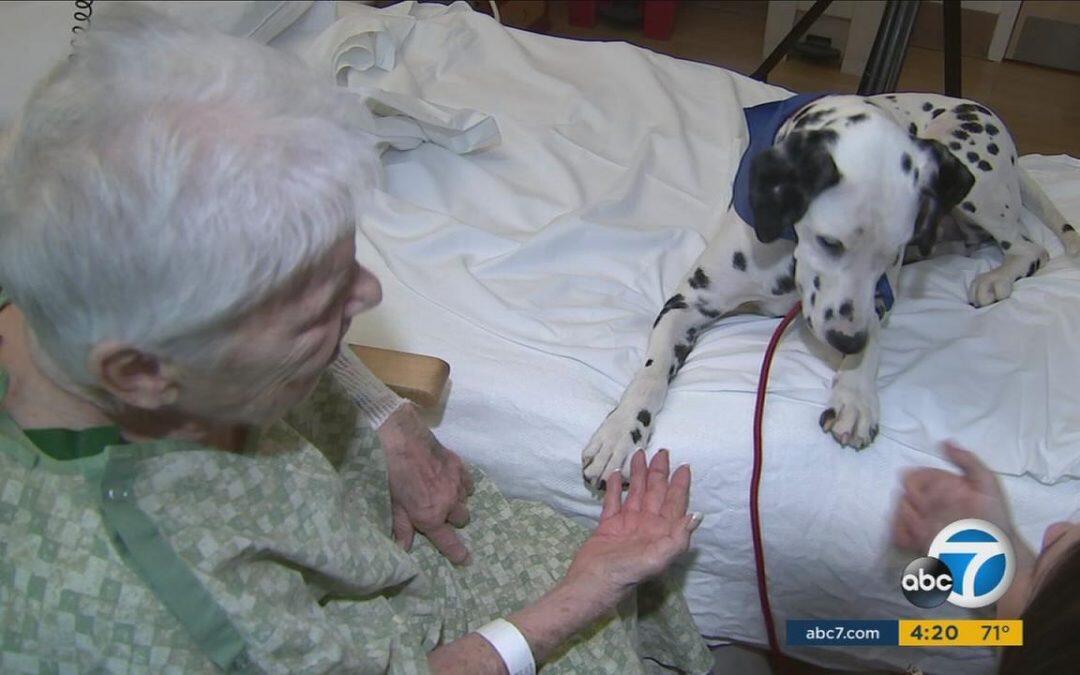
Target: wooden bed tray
(417,377)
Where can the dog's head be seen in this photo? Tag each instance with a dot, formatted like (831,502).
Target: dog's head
(856,188)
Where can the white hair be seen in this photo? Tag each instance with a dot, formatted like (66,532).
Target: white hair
(164,180)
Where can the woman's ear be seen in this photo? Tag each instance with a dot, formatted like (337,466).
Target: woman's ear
(134,377)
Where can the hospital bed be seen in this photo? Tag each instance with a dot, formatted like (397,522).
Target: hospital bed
(536,265)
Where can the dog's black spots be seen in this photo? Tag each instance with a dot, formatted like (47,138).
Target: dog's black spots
(738,261)
(648,363)
(644,416)
(937,112)
(828,314)
(1013,160)
(968,206)
(847,310)
(973,156)
(1006,245)
(784,285)
(813,118)
(973,127)
(905,162)
(928,106)
(813,299)
(705,310)
(967,117)
(971,107)
(817,282)
(671,373)
(1006,207)
(676,301)
(1033,268)
(1067,228)
(700,279)
(873,433)
(810,322)
(960,133)
(992,130)
(1025,238)
(826,417)
(855,119)
(635,435)
(955,145)
(891,97)
(992,148)
(985,165)
(912,129)
(681,352)
(691,335)
(915,176)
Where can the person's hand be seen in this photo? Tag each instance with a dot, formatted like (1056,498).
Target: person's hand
(933,498)
(429,485)
(637,539)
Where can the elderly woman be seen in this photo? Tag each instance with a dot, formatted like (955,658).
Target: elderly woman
(183,483)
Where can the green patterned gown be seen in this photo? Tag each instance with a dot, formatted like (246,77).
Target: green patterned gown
(172,557)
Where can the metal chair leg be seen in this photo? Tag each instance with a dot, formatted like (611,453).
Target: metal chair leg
(782,49)
(890,48)
(950,13)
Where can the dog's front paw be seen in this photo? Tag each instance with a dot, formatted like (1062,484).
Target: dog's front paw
(620,434)
(852,417)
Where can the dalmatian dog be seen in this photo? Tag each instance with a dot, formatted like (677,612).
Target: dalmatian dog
(833,195)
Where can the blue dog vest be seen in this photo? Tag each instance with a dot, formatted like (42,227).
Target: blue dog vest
(762,123)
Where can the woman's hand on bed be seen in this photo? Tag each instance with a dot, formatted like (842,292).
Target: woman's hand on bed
(933,498)
(640,537)
(429,484)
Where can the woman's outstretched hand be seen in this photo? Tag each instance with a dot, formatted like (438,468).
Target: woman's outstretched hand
(640,537)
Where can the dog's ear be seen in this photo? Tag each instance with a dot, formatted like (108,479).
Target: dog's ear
(951,182)
(785,178)
(946,186)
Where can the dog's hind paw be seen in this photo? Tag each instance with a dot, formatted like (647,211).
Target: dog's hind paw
(607,450)
(990,287)
(1071,241)
(851,418)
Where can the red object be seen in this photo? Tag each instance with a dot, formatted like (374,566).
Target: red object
(659,18)
(755,481)
(582,13)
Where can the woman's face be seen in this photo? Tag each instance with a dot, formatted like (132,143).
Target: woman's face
(283,346)
(1057,540)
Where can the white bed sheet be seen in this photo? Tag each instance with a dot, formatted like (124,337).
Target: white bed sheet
(536,268)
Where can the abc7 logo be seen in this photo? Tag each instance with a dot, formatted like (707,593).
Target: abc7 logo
(970,564)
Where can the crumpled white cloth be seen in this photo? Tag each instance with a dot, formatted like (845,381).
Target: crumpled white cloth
(364,38)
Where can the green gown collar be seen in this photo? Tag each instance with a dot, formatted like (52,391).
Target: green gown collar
(66,444)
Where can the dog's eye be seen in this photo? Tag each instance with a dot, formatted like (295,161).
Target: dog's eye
(831,246)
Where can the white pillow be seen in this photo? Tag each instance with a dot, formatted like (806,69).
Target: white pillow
(36,35)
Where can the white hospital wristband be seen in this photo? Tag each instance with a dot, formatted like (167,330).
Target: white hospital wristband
(511,646)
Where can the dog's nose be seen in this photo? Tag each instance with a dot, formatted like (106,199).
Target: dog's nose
(847,344)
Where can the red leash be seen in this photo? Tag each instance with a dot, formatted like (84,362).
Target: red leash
(755,481)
